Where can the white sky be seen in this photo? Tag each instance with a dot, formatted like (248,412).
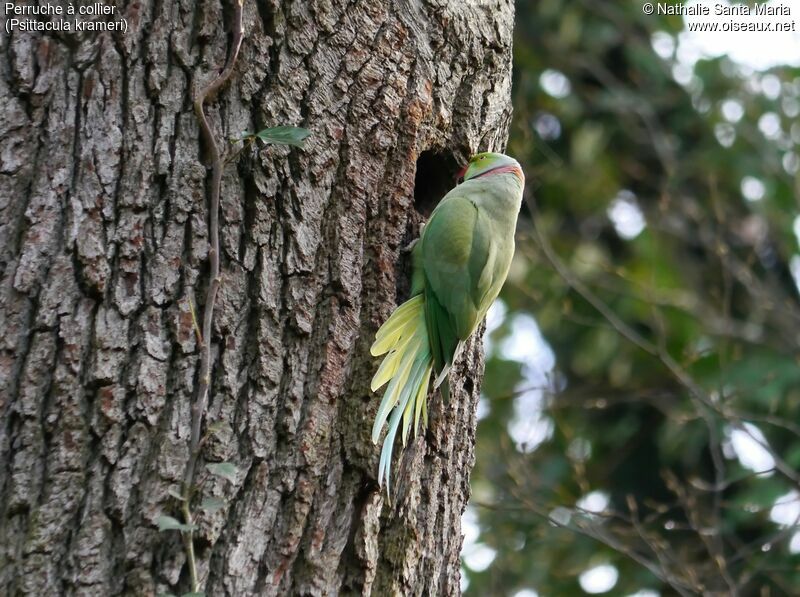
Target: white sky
(599,579)
(756,50)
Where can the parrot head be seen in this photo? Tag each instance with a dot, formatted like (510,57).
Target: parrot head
(487,163)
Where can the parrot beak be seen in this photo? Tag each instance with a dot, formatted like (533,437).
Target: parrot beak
(461,173)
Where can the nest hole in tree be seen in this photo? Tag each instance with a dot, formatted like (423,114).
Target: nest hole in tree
(469,385)
(436,175)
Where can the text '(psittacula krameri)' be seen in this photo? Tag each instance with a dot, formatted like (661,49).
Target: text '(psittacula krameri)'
(460,262)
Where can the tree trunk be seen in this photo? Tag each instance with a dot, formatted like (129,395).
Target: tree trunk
(104,246)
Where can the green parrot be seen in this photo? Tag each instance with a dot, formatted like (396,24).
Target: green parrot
(460,262)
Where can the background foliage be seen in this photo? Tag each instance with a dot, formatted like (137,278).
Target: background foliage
(639,432)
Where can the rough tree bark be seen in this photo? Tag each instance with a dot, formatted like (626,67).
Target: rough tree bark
(104,243)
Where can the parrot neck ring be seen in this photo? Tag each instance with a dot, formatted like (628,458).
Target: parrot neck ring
(487,164)
(504,169)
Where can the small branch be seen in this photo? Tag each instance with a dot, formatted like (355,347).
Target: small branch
(197,331)
(188,542)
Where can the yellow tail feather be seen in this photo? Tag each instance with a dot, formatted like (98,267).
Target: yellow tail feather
(389,365)
(407,368)
(401,322)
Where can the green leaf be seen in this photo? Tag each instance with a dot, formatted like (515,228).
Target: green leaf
(226,470)
(167,523)
(197,594)
(212,504)
(216,427)
(176,493)
(284,135)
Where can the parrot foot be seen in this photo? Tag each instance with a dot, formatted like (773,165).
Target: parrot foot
(410,246)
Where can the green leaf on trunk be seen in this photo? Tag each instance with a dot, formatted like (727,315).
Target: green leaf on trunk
(281,135)
(218,426)
(176,493)
(212,504)
(167,523)
(226,470)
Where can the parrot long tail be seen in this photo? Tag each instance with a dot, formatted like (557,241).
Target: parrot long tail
(407,367)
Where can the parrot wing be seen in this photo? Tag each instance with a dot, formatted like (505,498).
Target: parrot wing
(457,253)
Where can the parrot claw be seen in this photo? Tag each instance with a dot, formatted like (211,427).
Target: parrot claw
(410,246)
